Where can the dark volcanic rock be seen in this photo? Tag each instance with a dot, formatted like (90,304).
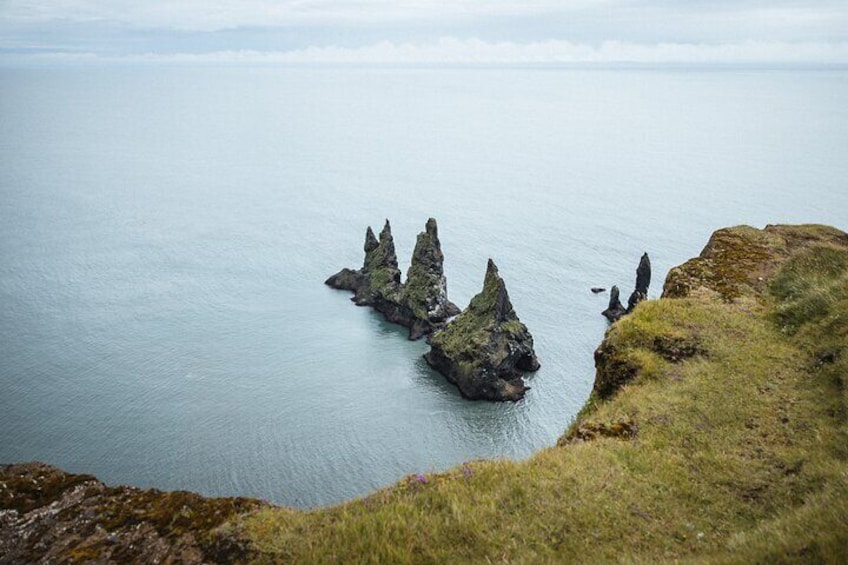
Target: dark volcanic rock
(424,292)
(597,289)
(379,277)
(643,281)
(615,310)
(421,304)
(486,349)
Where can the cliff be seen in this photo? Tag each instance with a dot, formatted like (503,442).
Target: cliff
(49,516)
(716,434)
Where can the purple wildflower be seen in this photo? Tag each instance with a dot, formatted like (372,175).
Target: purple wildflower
(466,470)
(422,479)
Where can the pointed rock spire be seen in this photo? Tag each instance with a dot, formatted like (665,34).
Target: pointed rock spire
(371,242)
(643,281)
(422,303)
(485,349)
(379,277)
(615,310)
(425,293)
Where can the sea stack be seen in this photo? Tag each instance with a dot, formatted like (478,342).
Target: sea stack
(421,304)
(486,349)
(615,309)
(643,281)
(379,277)
(425,291)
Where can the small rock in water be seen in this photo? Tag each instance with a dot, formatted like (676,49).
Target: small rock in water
(598,289)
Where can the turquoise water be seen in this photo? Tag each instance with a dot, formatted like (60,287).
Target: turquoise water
(165,233)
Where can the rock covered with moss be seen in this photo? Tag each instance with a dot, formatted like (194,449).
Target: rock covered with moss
(740,260)
(486,349)
(49,516)
(379,277)
(421,303)
(425,292)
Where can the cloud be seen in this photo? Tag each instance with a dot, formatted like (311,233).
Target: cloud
(449,51)
(211,15)
(409,31)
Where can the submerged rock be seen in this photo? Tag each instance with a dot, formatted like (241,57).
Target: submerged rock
(421,304)
(643,281)
(486,349)
(615,309)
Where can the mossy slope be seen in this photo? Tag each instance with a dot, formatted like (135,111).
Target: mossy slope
(49,516)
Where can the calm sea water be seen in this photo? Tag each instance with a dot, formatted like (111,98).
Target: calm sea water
(165,233)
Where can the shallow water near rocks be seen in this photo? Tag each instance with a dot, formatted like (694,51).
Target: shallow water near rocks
(165,234)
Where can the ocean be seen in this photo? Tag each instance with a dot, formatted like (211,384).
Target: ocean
(165,233)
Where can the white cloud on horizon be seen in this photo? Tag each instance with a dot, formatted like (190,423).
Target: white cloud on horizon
(213,15)
(448,51)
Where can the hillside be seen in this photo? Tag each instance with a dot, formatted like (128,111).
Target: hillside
(716,433)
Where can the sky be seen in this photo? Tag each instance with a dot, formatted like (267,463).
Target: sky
(425,31)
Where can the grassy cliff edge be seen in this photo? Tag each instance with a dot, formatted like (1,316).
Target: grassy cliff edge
(717,432)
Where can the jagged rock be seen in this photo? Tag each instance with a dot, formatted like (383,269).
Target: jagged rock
(424,292)
(643,281)
(615,309)
(421,304)
(486,349)
(379,277)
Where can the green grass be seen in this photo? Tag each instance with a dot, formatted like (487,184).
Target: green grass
(736,452)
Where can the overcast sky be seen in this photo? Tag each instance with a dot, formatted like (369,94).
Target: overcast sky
(806,31)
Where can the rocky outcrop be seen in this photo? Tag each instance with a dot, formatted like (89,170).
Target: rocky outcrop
(615,309)
(379,277)
(49,516)
(739,261)
(486,349)
(425,292)
(643,281)
(421,303)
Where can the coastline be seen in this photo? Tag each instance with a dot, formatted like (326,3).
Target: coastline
(707,437)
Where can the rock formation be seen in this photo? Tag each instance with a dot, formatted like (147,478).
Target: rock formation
(49,516)
(421,304)
(643,281)
(615,310)
(486,349)
(425,294)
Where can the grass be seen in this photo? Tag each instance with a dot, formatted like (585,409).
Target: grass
(727,443)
